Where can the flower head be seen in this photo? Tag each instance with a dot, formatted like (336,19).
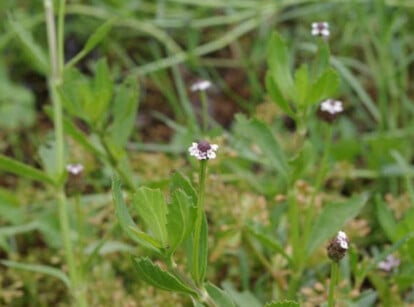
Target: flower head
(329,109)
(320,29)
(74,169)
(200,85)
(203,150)
(338,246)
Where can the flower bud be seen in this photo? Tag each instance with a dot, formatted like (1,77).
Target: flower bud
(338,246)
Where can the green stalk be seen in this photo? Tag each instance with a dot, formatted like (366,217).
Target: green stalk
(54,82)
(310,212)
(196,257)
(332,285)
(204,110)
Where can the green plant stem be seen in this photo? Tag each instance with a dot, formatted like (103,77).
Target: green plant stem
(61,36)
(332,285)
(198,224)
(54,82)
(79,223)
(310,212)
(204,110)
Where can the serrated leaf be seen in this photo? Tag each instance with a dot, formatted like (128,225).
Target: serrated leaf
(125,219)
(38,268)
(301,85)
(102,88)
(180,219)
(159,278)
(125,109)
(324,87)
(178,181)
(277,97)
(152,209)
(23,170)
(219,296)
(284,303)
(92,41)
(278,60)
(332,218)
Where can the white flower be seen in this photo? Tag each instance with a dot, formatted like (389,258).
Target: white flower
(342,240)
(203,150)
(74,169)
(332,106)
(201,85)
(320,29)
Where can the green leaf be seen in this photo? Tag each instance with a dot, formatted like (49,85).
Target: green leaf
(17,107)
(277,97)
(261,134)
(71,92)
(178,181)
(278,61)
(301,84)
(324,87)
(159,278)
(323,58)
(23,170)
(180,219)
(102,88)
(386,219)
(241,299)
(152,208)
(125,220)
(14,230)
(267,240)
(33,51)
(332,218)
(92,41)
(284,303)
(44,269)
(219,296)
(47,155)
(125,109)
(356,85)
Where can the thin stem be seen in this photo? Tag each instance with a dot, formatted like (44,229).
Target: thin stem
(318,183)
(332,285)
(54,82)
(61,35)
(204,110)
(197,275)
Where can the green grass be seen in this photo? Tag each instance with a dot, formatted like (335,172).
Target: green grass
(122,70)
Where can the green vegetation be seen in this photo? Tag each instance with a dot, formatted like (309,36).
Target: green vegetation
(103,201)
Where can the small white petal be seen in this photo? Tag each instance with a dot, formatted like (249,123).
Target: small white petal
(201,85)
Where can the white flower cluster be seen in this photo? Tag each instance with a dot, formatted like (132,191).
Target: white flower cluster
(203,150)
(332,106)
(342,240)
(201,85)
(74,169)
(320,29)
